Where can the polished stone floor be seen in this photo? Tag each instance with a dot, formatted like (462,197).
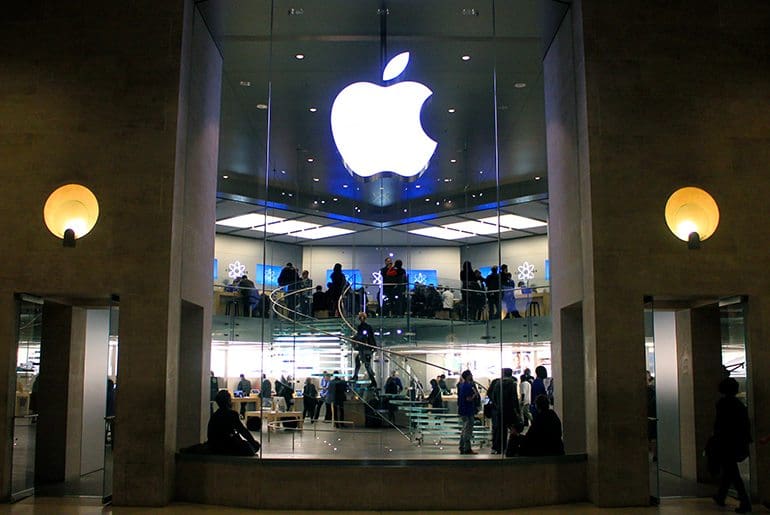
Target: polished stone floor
(46,506)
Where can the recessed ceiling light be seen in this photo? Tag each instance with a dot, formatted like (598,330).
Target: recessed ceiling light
(474,227)
(417,186)
(313,109)
(481,171)
(466,58)
(519,85)
(288,226)
(316,179)
(248,220)
(537,177)
(404,210)
(300,56)
(225,176)
(451,110)
(315,202)
(283,172)
(437,203)
(447,179)
(245,83)
(344,185)
(512,222)
(322,232)
(310,159)
(427,200)
(262,106)
(323,202)
(453,160)
(441,233)
(335,199)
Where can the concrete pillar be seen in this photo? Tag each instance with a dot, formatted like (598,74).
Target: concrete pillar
(8,345)
(699,348)
(758,357)
(60,398)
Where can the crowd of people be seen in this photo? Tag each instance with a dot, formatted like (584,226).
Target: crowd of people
(480,298)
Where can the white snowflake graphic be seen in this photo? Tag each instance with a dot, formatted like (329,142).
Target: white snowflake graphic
(526,271)
(420,278)
(235,270)
(377,278)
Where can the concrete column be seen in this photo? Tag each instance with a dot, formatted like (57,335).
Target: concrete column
(60,398)
(8,346)
(699,347)
(758,356)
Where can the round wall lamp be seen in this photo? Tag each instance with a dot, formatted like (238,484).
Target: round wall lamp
(71,212)
(692,215)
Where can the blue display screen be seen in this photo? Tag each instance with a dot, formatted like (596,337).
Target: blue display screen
(216,266)
(353,277)
(547,269)
(270,274)
(485,271)
(425,277)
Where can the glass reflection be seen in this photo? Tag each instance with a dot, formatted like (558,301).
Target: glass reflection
(398,244)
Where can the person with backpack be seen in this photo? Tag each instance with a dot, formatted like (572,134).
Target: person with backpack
(504,398)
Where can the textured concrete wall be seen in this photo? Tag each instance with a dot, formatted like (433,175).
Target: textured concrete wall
(93,93)
(674,94)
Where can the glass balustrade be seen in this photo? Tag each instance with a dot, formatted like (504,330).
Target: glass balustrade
(396,400)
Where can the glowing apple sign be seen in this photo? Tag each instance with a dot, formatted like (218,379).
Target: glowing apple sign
(378,130)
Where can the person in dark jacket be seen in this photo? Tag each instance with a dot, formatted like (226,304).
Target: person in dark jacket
(732,436)
(493,292)
(434,398)
(288,279)
(309,399)
(336,396)
(544,435)
(336,287)
(365,344)
(226,434)
(504,399)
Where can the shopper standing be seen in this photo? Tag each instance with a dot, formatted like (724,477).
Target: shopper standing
(467,395)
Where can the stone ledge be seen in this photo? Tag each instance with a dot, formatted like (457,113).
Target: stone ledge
(394,484)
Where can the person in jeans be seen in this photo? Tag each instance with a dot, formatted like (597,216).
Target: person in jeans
(467,395)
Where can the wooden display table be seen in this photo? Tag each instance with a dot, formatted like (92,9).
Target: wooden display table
(276,416)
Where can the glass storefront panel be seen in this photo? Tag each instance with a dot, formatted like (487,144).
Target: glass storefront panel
(316,106)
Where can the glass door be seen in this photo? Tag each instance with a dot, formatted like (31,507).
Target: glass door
(652,416)
(109,412)
(30,316)
(732,314)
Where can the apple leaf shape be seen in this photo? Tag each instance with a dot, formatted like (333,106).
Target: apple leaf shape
(395,66)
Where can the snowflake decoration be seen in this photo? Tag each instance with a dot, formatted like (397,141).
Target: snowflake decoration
(421,278)
(526,271)
(377,278)
(235,270)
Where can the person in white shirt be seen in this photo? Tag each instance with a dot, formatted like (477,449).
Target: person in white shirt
(525,387)
(447,299)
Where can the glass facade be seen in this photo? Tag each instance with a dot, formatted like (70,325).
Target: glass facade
(363,133)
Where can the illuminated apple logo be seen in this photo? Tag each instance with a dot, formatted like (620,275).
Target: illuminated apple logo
(378,130)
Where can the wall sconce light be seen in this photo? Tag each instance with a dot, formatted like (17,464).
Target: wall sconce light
(692,215)
(71,212)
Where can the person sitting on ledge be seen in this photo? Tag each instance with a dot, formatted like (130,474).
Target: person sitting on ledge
(226,434)
(544,435)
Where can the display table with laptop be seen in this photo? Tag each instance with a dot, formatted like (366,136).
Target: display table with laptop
(276,419)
